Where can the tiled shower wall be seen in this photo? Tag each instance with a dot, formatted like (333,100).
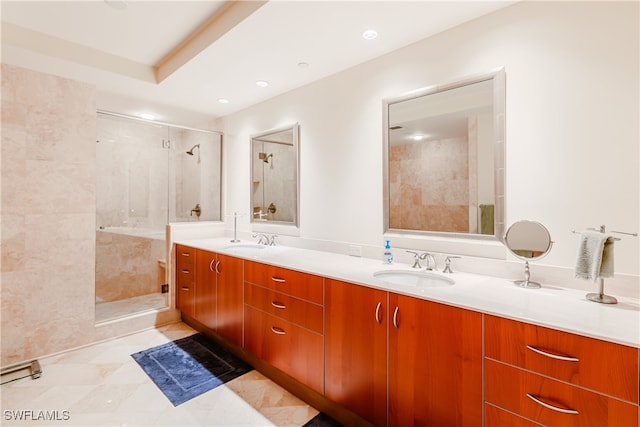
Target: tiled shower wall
(48,213)
(429,183)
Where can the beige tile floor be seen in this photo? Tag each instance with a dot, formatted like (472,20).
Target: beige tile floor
(101,385)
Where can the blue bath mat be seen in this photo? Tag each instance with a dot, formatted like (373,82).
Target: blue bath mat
(188,367)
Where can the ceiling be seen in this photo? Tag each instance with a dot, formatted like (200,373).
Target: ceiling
(176,59)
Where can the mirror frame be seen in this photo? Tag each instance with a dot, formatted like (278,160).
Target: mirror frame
(499,110)
(295,129)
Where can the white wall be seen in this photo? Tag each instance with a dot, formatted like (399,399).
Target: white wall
(572,127)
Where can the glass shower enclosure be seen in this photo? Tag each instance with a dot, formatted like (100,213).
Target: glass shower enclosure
(149,174)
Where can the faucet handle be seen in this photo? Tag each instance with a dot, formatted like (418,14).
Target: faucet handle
(272,239)
(416,259)
(447,264)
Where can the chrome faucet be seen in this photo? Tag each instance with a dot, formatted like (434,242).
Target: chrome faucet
(262,238)
(266,239)
(447,264)
(197,210)
(417,257)
(431,262)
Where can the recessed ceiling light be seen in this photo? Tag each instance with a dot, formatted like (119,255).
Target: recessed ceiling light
(147,116)
(223,100)
(370,34)
(262,83)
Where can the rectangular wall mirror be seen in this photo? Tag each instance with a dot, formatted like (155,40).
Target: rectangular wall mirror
(274,176)
(444,159)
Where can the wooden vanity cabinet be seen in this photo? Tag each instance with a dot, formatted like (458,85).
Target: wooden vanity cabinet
(185,279)
(206,290)
(209,290)
(229,298)
(434,363)
(558,378)
(284,312)
(356,321)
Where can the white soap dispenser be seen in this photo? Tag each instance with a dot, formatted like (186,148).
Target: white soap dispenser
(387,257)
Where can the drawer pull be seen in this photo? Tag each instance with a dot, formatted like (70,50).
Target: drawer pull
(186,254)
(553,408)
(186,271)
(553,356)
(184,288)
(278,331)
(279,305)
(378,307)
(395,317)
(277,279)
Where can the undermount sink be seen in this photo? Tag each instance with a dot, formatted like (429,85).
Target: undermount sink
(422,279)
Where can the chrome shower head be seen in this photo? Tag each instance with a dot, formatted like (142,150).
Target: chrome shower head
(190,151)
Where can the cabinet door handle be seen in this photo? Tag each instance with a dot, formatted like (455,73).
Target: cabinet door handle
(553,356)
(378,307)
(217,267)
(279,305)
(184,288)
(211,267)
(553,408)
(277,279)
(395,317)
(278,331)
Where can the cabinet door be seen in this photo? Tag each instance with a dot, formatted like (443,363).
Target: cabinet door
(230,304)
(356,349)
(435,364)
(206,294)
(185,279)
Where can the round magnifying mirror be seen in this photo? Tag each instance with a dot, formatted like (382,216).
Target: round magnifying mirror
(528,240)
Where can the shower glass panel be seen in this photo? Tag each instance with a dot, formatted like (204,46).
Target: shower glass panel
(146,179)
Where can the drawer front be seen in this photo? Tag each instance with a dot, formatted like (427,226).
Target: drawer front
(294,350)
(599,365)
(185,258)
(300,312)
(185,298)
(496,417)
(297,284)
(552,402)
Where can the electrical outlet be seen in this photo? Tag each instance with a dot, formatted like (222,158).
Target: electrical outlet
(165,288)
(355,250)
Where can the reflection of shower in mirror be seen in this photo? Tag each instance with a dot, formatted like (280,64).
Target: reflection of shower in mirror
(190,151)
(264,157)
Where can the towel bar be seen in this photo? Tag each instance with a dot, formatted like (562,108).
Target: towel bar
(600,296)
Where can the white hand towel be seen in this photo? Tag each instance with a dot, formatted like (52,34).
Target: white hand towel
(595,256)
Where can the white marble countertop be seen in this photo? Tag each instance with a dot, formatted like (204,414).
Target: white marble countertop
(551,306)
